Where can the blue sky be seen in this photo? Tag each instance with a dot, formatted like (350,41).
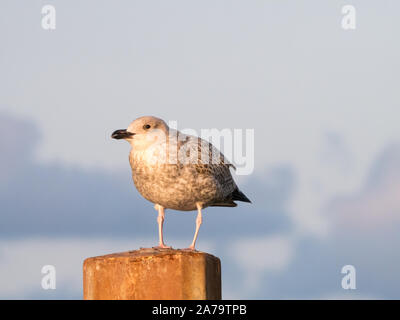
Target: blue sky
(323,103)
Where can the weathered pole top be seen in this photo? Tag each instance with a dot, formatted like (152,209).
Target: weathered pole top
(148,273)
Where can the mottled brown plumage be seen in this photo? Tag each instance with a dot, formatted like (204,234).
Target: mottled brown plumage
(177,171)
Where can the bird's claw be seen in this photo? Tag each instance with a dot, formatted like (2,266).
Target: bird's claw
(189,249)
(162,246)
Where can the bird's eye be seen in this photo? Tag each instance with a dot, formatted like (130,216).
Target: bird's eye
(146,126)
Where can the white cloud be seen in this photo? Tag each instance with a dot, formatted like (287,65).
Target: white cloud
(271,253)
(260,255)
(377,203)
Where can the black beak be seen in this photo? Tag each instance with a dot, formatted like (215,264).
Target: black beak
(121,134)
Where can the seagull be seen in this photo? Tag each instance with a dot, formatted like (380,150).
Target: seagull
(178,171)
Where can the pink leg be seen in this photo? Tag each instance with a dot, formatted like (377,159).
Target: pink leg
(160,221)
(199,220)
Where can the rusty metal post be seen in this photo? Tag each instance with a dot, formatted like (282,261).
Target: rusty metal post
(146,274)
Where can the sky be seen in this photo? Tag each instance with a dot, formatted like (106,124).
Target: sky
(323,103)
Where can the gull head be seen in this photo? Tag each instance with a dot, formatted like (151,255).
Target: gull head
(143,132)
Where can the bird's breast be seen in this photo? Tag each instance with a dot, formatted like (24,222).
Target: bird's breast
(173,186)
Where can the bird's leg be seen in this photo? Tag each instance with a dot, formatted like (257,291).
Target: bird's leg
(199,220)
(160,221)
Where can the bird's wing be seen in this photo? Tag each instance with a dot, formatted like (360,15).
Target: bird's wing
(195,150)
(208,160)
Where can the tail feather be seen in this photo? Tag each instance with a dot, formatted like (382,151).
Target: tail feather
(229,202)
(224,204)
(239,196)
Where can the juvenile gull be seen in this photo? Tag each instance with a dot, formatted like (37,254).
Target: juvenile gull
(178,171)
